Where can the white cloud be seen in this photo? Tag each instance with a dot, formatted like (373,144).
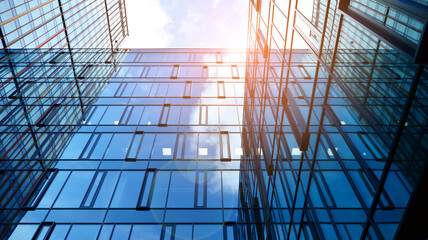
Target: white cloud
(148,25)
(189,24)
(216,3)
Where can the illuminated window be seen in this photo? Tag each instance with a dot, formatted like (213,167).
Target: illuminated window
(296,152)
(166,151)
(203,151)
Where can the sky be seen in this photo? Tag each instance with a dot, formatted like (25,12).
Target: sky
(186,23)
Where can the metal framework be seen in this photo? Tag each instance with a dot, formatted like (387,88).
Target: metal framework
(335,106)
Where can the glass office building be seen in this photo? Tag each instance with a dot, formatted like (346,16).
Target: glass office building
(335,117)
(33,86)
(149,146)
(62,24)
(316,131)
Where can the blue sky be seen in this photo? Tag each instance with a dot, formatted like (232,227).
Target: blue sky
(187,23)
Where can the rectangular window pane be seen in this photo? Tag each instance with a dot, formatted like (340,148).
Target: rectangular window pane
(203,115)
(182,189)
(134,147)
(201,189)
(221,90)
(187,89)
(147,189)
(118,146)
(100,146)
(135,115)
(224,146)
(106,190)
(74,189)
(175,71)
(93,190)
(163,121)
(127,190)
(164,146)
(180,146)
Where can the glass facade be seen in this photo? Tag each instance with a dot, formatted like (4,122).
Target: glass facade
(149,146)
(40,86)
(335,123)
(318,130)
(62,24)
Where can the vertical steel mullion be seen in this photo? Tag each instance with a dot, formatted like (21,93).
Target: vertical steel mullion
(312,174)
(181,139)
(277,133)
(109,29)
(397,136)
(71,56)
(291,224)
(371,72)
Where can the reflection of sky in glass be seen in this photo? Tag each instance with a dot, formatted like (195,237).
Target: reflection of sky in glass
(204,146)
(173,189)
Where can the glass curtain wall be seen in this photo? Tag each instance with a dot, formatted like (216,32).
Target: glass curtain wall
(151,145)
(334,119)
(62,24)
(40,84)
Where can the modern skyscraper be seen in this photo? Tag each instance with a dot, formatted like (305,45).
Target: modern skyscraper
(340,117)
(33,86)
(317,131)
(62,24)
(151,146)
